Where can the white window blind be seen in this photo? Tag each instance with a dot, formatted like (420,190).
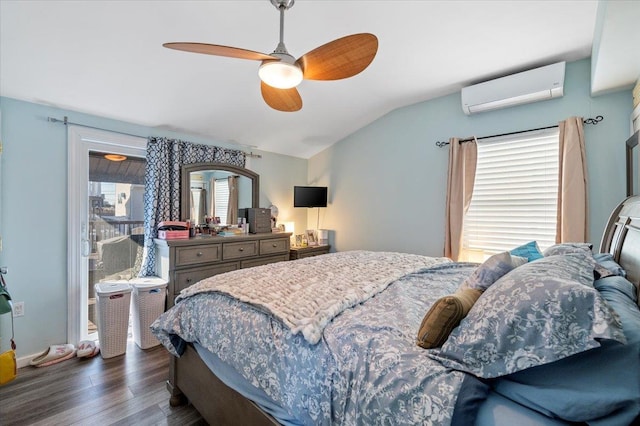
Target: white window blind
(222,200)
(515,193)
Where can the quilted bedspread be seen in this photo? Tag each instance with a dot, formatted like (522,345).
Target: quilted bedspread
(364,369)
(306,297)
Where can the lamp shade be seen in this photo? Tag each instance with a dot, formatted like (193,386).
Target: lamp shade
(280,74)
(289,227)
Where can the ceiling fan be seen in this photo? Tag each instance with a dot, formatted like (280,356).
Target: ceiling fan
(280,72)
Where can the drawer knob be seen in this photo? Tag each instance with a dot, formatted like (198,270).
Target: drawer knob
(274,245)
(241,249)
(199,254)
(189,280)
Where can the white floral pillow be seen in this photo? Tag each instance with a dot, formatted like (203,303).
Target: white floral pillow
(538,313)
(566,248)
(492,269)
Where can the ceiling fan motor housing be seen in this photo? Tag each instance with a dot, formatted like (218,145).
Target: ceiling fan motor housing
(286,4)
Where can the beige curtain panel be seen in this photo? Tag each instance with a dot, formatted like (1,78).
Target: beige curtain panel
(463,158)
(572,218)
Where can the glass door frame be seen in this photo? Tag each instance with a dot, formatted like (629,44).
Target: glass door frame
(81,141)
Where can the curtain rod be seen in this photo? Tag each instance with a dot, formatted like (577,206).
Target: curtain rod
(66,122)
(596,120)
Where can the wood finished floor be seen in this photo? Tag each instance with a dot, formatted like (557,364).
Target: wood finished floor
(125,390)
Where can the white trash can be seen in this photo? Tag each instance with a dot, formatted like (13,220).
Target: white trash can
(112,302)
(149,296)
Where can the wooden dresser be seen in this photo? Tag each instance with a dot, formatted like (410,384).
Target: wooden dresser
(185,262)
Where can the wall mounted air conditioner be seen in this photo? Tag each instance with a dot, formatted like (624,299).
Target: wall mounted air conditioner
(528,86)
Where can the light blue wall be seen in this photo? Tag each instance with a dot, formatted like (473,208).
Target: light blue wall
(33,211)
(386,185)
(387,181)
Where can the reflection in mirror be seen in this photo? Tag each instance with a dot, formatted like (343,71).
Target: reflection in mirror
(213,190)
(218,194)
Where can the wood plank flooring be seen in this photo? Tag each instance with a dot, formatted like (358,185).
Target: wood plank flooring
(125,390)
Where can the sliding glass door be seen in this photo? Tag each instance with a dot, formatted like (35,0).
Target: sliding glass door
(106,215)
(115,221)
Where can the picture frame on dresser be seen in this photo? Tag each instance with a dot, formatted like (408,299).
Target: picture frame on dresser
(312,240)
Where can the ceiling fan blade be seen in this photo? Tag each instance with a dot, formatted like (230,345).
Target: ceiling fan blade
(287,100)
(341,58)
(218,50)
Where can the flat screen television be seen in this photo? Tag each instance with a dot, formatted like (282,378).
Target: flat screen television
(309,196)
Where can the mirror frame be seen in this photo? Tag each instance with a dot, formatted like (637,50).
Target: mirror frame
(185,182)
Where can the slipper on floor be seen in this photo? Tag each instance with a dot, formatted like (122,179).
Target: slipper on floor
(53,355)
(87,349)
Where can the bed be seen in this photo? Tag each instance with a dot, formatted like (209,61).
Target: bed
(551,338)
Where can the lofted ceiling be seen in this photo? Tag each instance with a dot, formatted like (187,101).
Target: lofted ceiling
(106,58)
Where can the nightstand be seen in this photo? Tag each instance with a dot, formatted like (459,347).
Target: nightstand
(300,252)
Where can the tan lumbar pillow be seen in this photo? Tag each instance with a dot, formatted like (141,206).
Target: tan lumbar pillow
(445,315)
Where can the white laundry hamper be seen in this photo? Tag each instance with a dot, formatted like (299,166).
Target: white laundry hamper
(112,301)
(149,297)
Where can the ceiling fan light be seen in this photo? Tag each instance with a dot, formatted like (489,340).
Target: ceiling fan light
(280,74)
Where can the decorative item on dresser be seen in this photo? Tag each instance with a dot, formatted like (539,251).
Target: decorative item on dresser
(301,252)
(259,219)
(185,262)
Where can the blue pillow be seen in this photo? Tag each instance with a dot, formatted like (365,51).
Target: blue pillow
(530,250)
(571,389)
(606,260)
(536,314)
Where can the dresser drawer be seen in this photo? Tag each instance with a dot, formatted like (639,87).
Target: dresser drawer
(302,252)
(197,254)
(239,250)
(250,263)
(276,245)
(185,278)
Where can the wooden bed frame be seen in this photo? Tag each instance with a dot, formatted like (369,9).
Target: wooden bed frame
(621,238)
(218,404)
(190,378)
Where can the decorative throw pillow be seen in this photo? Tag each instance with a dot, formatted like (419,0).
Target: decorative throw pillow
(530,250)
(445,315)
(536,314)
(492,269)
(565,248)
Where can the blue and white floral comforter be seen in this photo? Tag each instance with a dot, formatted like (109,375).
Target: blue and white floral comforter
(366,368)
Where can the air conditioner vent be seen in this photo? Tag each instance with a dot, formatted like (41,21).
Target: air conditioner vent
(528,86)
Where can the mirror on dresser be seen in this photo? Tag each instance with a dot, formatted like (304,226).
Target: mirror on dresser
(199,181)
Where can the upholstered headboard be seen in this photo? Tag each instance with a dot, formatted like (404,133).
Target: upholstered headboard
(621,238)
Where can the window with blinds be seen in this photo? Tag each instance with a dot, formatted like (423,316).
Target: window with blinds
(515,193)
(222,200)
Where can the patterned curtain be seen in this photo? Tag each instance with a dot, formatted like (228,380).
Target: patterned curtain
(165,158)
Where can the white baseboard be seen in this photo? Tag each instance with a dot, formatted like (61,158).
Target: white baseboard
(23,361)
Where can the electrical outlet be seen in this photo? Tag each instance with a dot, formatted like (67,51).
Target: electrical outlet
(18,309)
